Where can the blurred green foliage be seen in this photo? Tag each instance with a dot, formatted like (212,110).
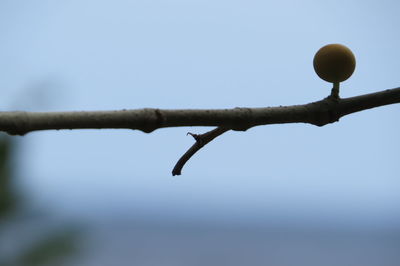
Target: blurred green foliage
(52,248)
(8,198)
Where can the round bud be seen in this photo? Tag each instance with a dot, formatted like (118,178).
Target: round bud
(334,63)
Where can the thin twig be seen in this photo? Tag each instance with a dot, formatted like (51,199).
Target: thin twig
(201,140)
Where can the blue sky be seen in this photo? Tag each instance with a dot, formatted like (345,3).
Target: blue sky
(105,55)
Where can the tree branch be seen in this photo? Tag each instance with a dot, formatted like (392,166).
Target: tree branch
(320,113)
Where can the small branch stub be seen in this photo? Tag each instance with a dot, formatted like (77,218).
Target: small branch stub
(335,91)
(201,140)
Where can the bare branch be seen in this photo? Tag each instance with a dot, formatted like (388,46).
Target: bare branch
(317,113)
(320,113)
(201,140)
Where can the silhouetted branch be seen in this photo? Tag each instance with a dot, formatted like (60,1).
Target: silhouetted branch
(201,140)
(319,113)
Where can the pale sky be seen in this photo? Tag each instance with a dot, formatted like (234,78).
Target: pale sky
(105,55)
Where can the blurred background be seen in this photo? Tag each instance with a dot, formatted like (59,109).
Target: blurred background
(275,195)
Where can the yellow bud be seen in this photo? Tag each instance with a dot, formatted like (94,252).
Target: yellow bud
(334,63)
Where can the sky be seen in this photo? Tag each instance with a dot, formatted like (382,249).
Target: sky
(107,55)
